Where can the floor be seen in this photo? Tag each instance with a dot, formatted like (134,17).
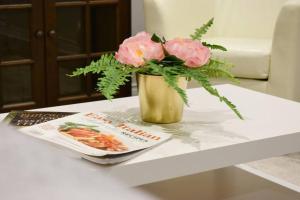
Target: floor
(229,183)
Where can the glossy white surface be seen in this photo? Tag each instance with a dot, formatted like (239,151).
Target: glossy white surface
(210,135)
(32,169)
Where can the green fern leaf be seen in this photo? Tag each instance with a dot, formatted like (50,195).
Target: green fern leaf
(199,32)
(202,79)
(96,67)
(111,81)
(173,82)
(214,46)
(218,69)
(170,75)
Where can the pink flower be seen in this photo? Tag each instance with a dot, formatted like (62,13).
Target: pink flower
(192,52)
(135,50)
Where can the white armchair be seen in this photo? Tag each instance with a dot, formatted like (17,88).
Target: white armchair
(262,37)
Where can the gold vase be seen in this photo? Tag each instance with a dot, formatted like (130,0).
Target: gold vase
(159,103)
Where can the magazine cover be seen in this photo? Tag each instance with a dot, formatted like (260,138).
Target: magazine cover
(97,135)
(29,118)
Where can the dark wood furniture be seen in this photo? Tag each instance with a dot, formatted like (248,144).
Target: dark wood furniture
(43,40)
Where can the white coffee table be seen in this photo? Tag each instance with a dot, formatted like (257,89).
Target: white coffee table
(210,136)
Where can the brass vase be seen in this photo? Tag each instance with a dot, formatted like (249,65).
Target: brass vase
(159,103)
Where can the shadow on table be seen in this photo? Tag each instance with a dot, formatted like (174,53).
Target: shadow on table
(195,125)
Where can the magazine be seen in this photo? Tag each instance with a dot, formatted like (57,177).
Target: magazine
(97,136)
(29,118)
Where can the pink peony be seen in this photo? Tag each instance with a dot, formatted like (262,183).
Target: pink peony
(135,50)
(192,52)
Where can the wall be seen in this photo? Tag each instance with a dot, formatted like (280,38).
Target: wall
(137,16)
(137,25)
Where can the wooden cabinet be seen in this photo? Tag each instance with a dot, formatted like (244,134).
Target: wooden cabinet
(43,40)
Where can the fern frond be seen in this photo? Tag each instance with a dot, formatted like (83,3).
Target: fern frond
(173,82)
(232,106)
(199,32)
(96,67)
(152,68)
(218,69)
(202,79)
(111,81)
(213,91)
(170,75)
(214,46)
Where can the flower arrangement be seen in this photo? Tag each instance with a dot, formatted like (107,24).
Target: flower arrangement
(153,55)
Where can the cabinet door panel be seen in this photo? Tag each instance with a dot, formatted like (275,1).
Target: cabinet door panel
(22,70)
(8,2)
(15,84)
(70,30)
(14,34)
(84,31)
(70,85)
(104,28)
(43,40)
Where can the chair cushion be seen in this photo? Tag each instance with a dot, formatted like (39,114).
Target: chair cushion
(251,57)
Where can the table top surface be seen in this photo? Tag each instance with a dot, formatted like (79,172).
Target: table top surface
(210,136)
(32,169)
